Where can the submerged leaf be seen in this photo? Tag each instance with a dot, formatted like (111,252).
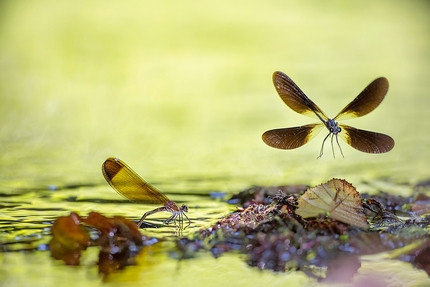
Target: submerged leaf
(119,239)
(69,238)
(337,198)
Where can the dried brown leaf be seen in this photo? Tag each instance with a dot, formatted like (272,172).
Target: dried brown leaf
(337,198)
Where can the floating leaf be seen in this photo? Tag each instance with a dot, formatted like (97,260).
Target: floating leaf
(337,198)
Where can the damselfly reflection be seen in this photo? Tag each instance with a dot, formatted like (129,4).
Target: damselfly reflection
(130,185)
(364,103)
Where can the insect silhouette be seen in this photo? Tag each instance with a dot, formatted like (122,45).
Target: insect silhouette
(131,186)
(364,103)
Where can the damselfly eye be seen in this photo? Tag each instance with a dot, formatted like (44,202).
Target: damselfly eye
(184,208)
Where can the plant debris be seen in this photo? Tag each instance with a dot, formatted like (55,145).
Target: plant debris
(325,228)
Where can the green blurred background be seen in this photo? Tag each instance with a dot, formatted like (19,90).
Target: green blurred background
(182,91)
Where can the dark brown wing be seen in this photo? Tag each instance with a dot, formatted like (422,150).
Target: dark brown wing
(366,101)
(366,141)
(291,138)
(293,97)
(129,184)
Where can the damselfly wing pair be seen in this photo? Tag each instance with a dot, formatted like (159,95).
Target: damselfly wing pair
(364,103)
